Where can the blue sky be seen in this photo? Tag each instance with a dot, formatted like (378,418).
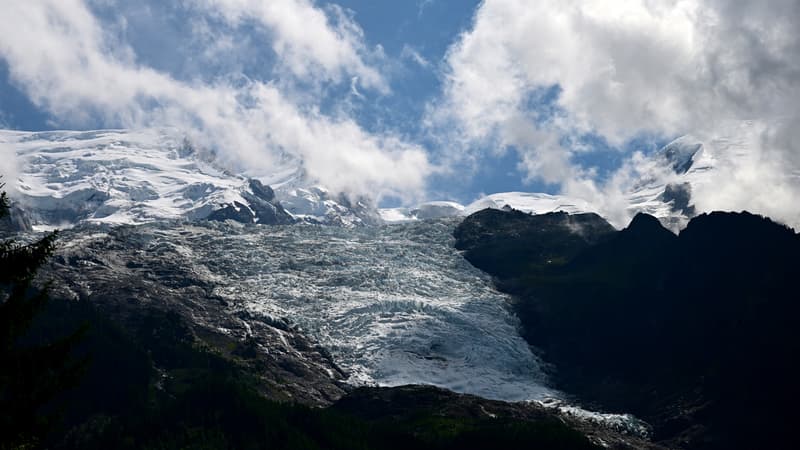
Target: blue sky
(409,100)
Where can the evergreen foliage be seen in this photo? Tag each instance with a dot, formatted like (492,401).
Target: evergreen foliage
(32,372)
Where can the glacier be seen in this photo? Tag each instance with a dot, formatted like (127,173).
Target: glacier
(394,304)
(382,290)
(387,305)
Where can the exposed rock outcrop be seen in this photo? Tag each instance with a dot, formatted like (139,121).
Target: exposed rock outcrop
(691,333)
(123,275)
(17,220)
(261,208)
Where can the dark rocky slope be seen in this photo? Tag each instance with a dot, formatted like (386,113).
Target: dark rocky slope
(481,423)
(126,279)
(696,333)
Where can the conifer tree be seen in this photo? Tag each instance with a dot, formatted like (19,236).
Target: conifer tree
(32,373)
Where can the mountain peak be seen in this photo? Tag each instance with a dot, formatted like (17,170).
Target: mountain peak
(645,225)
(681,152)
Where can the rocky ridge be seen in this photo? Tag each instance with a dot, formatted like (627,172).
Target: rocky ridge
(689,332)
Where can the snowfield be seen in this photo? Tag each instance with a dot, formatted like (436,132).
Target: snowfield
(135,177)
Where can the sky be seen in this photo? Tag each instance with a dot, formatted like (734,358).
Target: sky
(423,99)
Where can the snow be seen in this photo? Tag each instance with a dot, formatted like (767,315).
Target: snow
(523,201)
(396,215)
(116,176)
(540,203)
(139,176)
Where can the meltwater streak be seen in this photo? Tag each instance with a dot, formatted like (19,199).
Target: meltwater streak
(394,305)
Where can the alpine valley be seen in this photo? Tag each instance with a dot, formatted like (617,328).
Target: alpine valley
(228,309)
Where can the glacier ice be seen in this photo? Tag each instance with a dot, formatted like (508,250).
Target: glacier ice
(394,304)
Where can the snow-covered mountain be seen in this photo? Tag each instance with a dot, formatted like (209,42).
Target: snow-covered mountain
(686,177)
(732,170)
(134,177)
(537,203)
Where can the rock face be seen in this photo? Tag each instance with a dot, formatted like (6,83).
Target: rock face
(679,197)
(124,276)
(405,403)
(691,332)
(261,208)
(16,221)
(496,241)
(680,154)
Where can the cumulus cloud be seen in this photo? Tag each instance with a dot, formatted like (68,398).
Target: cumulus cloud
(534,75)
(59,53)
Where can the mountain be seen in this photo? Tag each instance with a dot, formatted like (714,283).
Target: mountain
(664,190)
(686,177)
(621,321)
(217,334)
(196,320)
(692,332)
(536,203)
(133,177)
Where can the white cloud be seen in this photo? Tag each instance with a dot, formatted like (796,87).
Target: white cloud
(309,41)
(626,68)
(409,52)
(59,54)
(422,5)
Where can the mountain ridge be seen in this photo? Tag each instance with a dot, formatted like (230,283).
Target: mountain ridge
(692,332)
(134,177)
(139,176)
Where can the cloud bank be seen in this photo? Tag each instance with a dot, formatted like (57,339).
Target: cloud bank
(536,76)
(69,63)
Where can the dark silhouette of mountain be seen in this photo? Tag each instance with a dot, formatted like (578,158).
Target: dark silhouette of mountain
(696,333)
(512,242)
